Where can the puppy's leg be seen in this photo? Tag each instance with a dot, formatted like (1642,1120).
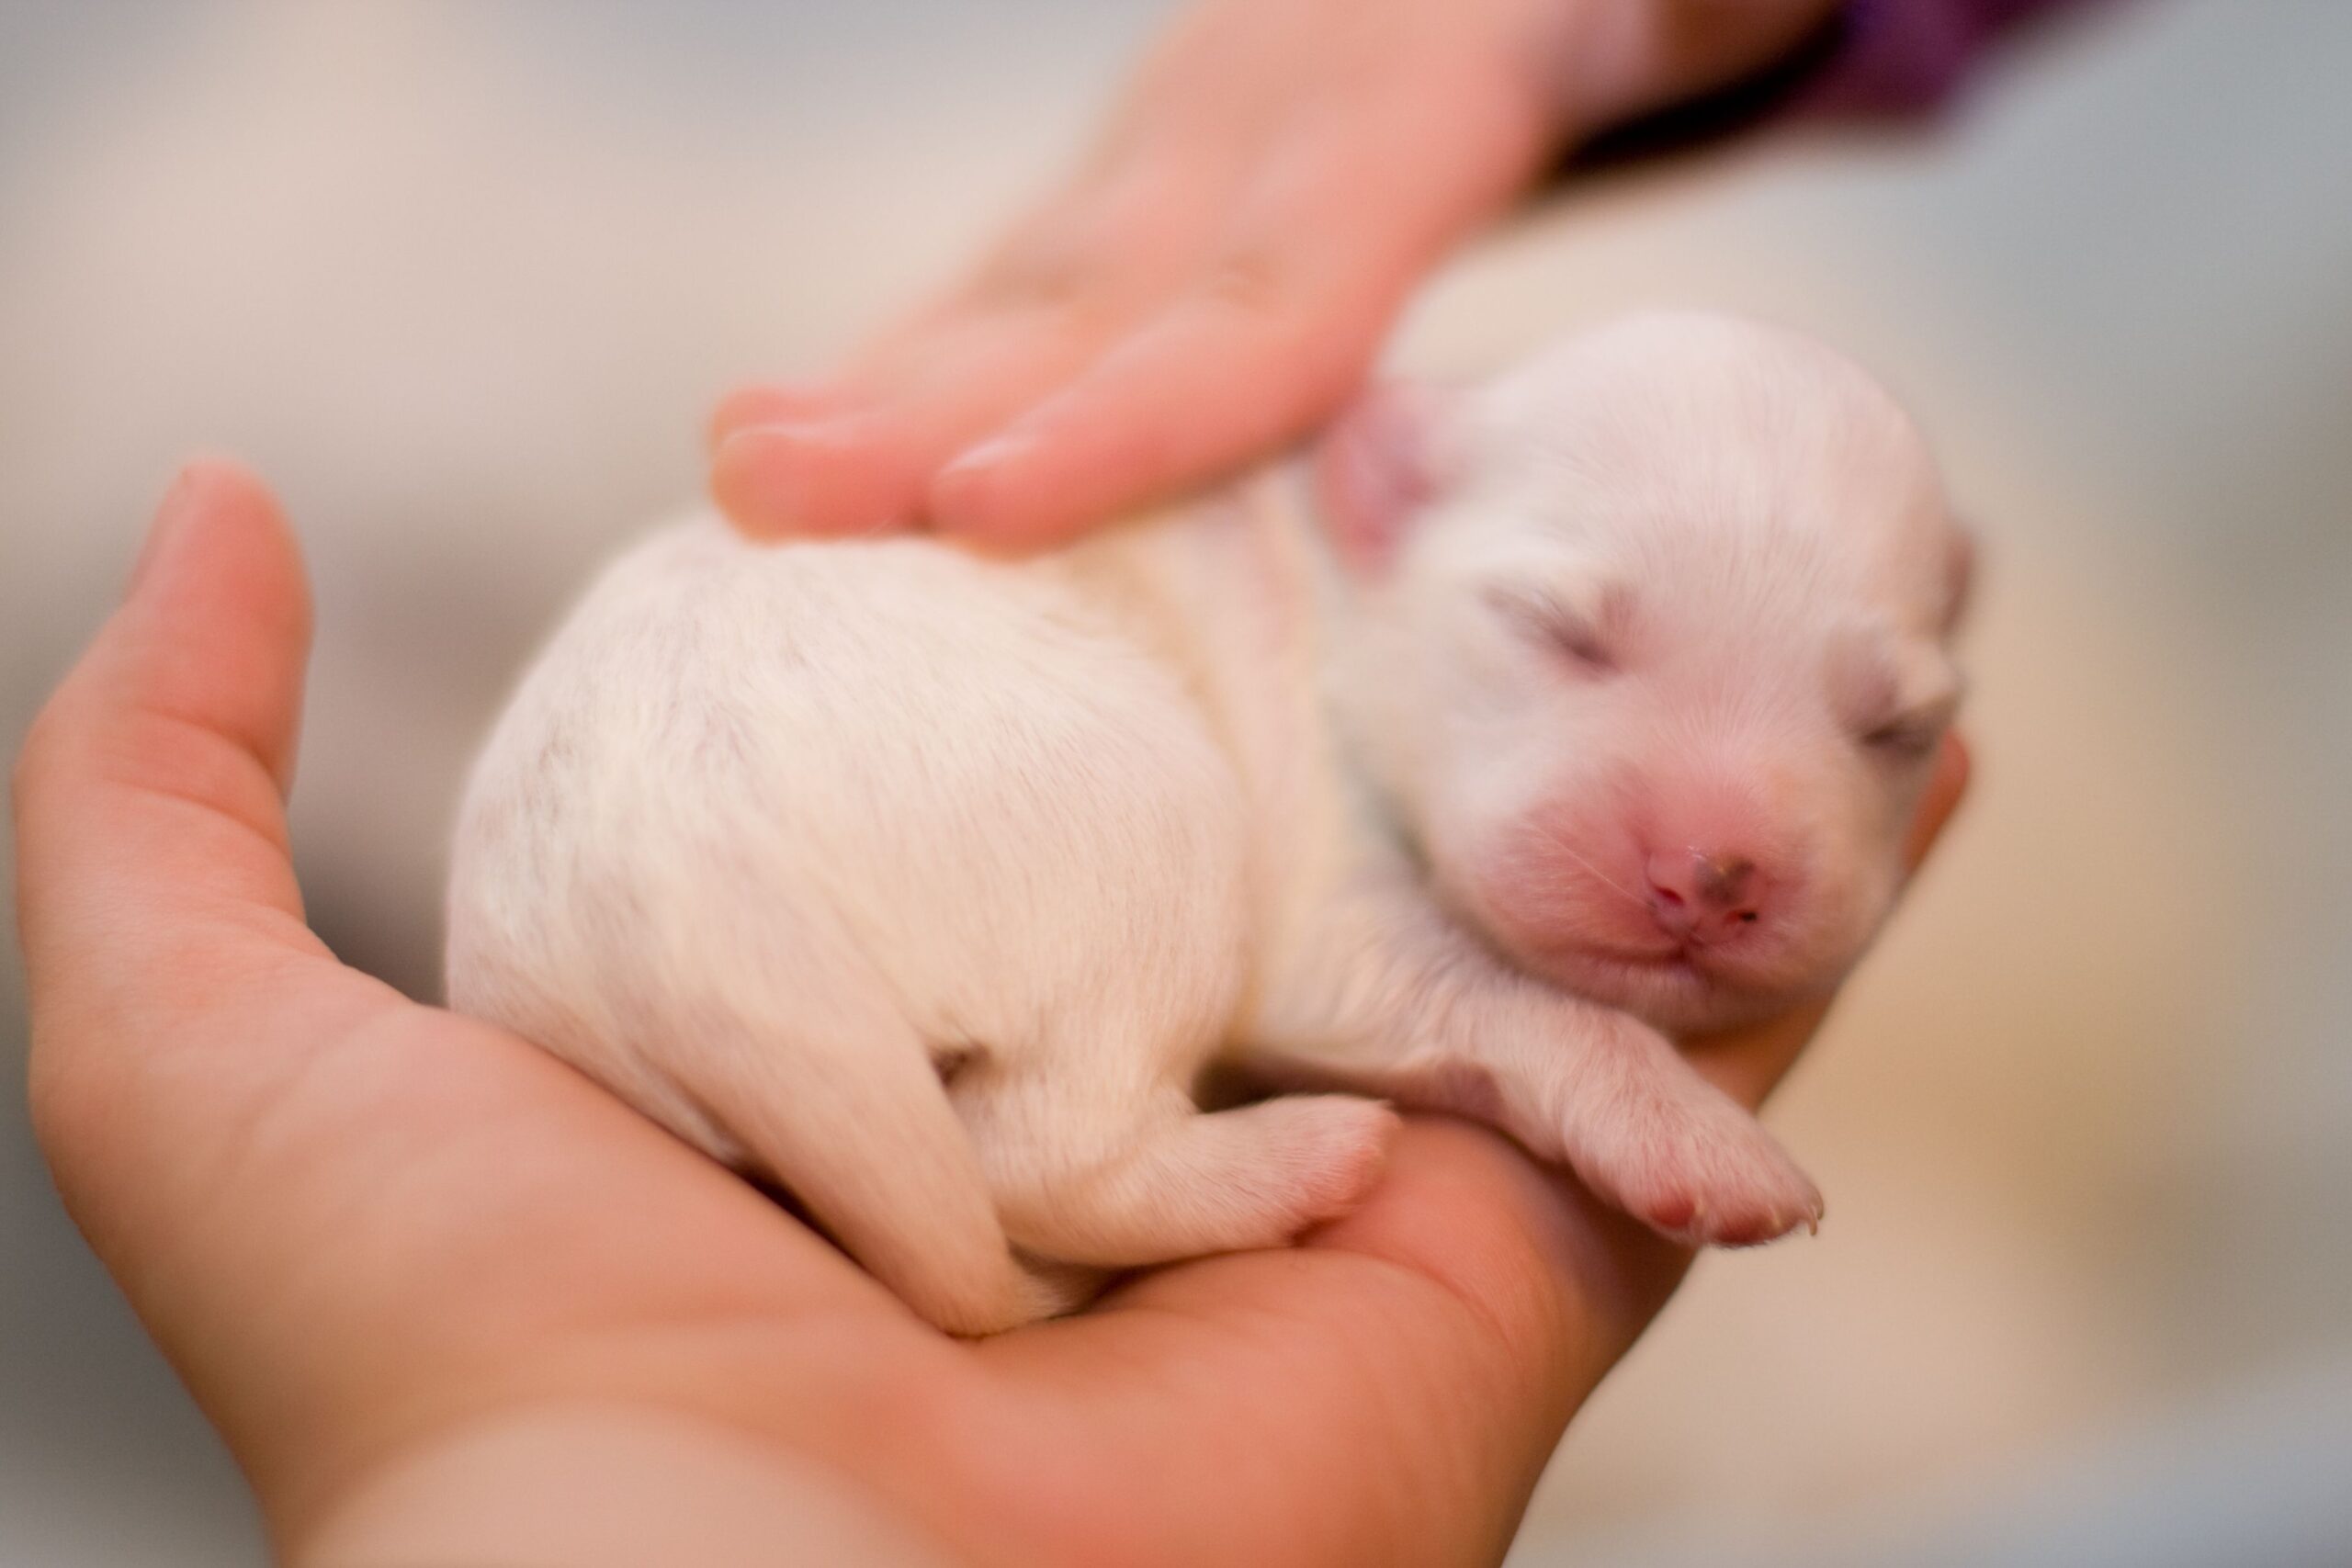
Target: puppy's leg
(1416,1011)
(1637,1122)
(834,1096)
(1120,1182)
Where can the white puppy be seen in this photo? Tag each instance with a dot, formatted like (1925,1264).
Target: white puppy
(1521,725)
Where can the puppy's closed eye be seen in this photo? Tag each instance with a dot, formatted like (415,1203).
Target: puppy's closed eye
(1554,624)
(1913,733)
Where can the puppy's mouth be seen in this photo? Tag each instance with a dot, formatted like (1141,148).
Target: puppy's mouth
(1595,949)
(1667,955)
(1612,971)
(1680,964)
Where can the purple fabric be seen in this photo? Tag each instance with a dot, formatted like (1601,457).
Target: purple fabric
(1894,57)
(1873,60)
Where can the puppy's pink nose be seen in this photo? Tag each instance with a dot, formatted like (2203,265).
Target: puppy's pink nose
(1704,896)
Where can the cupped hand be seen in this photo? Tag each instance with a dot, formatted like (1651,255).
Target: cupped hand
(448,1301)
(1215,276)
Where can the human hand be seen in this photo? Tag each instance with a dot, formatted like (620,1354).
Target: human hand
(1217,275)
(449,1301)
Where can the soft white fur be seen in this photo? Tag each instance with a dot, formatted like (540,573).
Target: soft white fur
(927,883)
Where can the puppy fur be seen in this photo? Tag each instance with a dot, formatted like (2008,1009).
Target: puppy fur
(1459,763)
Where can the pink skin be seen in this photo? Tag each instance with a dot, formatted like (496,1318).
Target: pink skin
(1613,917)
(1645,652)
(281,1159)
(1211,281)
(1709,871)
(1683,896)
(1668,784)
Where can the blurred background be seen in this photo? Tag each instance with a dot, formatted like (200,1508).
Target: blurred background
(463,280)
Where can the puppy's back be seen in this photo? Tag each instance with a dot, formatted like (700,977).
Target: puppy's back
(768,830)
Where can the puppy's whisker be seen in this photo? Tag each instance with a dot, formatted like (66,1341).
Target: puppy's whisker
(1559,842)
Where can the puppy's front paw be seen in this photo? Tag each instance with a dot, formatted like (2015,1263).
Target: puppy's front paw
(1687,1161)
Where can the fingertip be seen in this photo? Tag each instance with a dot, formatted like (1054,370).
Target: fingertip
(779,482)
(226,476)
(766,402)
(969,496)
(1954,765)
(220,532)
(1947,786)
(750,483)
(218,484)
(207,486)
(213,634)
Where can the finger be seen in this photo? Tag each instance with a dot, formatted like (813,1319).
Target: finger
(1242,365)
(863,463)
(1103,247)
(766,402)
(1946,785)
(151,788)
(1277,324)
(1069,282)
(155,886)
(1269,329)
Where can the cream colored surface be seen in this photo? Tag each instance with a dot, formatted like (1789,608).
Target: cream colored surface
(463,279)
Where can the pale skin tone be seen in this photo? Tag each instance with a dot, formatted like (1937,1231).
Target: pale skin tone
(428,1281)
(414,1268)
(1214,277)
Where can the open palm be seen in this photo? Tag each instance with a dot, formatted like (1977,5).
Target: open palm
(367,1230)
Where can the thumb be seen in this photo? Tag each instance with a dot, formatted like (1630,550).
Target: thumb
(152,785)
(152,874)
(216,627)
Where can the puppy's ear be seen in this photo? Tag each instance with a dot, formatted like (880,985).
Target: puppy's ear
(1959,574)
(1380,464)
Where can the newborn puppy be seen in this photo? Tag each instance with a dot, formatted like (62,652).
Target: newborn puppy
(1521,727)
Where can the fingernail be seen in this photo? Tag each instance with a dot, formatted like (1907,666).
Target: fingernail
(750,490)
(995,451)
(804,478)
(173,514)
(957,488)
(752,408)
